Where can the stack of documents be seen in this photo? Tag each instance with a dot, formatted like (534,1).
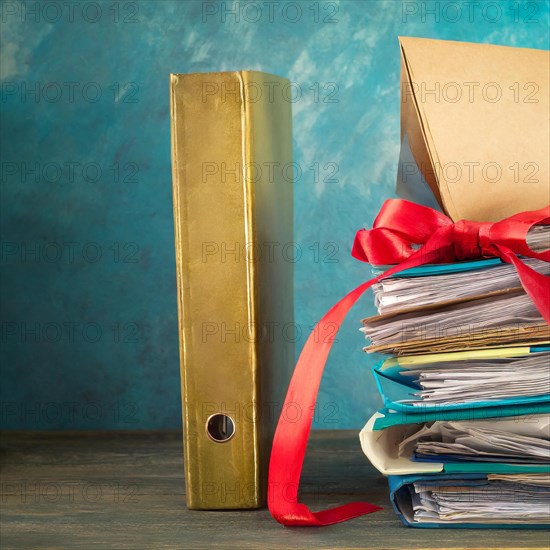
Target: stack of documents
(464,435)
(454,306)
(400,293)
(488,441)
(485,376)
(482,501)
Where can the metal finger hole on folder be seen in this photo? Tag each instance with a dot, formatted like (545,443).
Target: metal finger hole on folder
(220,428)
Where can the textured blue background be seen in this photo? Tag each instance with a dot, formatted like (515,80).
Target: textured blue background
(106,351)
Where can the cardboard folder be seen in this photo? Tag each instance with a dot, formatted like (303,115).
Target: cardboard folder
(475,128)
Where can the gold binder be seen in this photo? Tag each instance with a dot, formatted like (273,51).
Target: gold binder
(232,188)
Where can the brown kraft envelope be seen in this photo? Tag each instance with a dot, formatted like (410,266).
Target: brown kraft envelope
(477,121)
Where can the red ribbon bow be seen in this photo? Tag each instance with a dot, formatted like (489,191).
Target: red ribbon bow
(404,235)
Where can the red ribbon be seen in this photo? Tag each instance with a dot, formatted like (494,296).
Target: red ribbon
(404,235)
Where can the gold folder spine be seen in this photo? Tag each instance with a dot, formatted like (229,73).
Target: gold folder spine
(223,211)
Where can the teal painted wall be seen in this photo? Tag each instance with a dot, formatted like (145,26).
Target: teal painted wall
(89,322)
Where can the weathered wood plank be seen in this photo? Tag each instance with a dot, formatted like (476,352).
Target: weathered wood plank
(126,490)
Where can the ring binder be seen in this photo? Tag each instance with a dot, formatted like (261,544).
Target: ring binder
(231,199)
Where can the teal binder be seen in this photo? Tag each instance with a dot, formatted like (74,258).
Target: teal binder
(400,496)
(395,389)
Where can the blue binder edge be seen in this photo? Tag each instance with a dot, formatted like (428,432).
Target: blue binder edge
(396,418)
(442,269)
(382,378)
(397,483)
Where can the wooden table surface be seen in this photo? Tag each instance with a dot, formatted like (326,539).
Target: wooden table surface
(126,490)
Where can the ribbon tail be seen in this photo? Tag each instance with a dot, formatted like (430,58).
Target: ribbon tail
(292,433)
(536,285)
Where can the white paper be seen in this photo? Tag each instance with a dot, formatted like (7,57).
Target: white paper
(502,500)
(466,381)
(464,319)
(396,293)
(518,440)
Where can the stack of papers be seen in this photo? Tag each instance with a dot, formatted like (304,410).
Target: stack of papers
(530,479)
(464,435)
(538,238)
(449,382)
(502,500)
(457,306)
(506,318)
(525,440)
(399,293)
